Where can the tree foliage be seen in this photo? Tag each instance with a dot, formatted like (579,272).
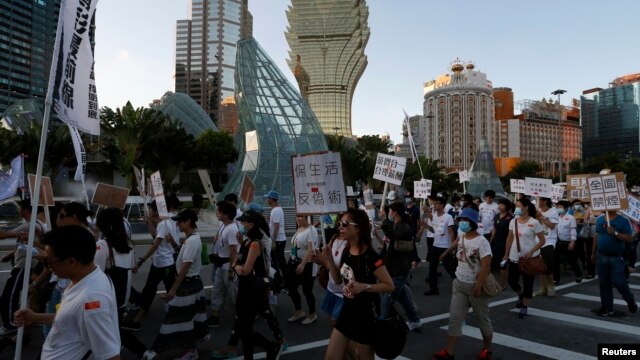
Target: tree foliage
(612,161)
(213,150)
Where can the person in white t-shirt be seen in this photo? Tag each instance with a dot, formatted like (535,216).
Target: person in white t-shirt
(565,247)
(488,211)
(333,297)
(442,228)
(301,271)
(549,218)
(86,323)
(278,237)
(529,233)
(224,252)
(163,267)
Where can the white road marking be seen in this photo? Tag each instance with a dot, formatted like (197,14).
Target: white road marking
(592,298)
(587,322)
(527,346)
(634,287)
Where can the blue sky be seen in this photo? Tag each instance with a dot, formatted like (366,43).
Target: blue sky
(531,47)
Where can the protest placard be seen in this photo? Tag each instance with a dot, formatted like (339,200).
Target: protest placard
(158,195)
(390,168)
(464,176)
(557,193)
(208,187)
(110,196)
(46,190)
(539,187)
(517,186)
(608,192)
(422,188)
(633,212)
(247,190)
(577,187)
(318,183)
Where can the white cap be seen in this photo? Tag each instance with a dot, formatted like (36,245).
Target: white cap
(391,195)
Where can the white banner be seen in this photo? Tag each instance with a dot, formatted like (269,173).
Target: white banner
(464,176)
(517,186)
(557,193)
(390,169)
(318,183)
(81,154)
(422,189)
(538,187)
(158,195)
(633,212)
(72,90)
(9,183)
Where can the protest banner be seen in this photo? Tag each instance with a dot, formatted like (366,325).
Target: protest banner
(464,176)
(557,193)
(608,192)
(318,183)
(633,212)
(517,186)
(577,187)
(247,190)
(46,190)
(389,168)
(539,187)
(422,188)
(158,195)
(350,191)
(110,196)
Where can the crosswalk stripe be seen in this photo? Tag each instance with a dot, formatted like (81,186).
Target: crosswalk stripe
(588,322)
(592,298)
(634,287)
(635,274)
(526,345)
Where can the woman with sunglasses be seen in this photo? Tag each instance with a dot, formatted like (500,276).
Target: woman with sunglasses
(364,275)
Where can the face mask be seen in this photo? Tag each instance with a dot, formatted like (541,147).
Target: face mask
(242,230)
(561,211)
(461,203)
(517,212)
(464,226)
(578,207)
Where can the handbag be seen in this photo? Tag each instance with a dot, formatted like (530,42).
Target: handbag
(390,335)
(531,266)
(323,276)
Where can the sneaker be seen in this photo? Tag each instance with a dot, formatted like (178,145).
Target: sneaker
(274,354)
(519,303)
(297,316)
(551,291)
(4,331)
(443,355)
(131,325)
(204,339)
(189,355)
(523,313)
(485,355)
(310,319)
(579,279)
(590,276)
(541,292)
(283,344)
(213,321)
(633,307)
(605,312)
(148,355)
(414,325)
(224,353)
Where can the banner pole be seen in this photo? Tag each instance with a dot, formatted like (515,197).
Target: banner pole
(384,195)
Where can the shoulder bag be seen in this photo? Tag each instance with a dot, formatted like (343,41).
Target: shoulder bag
(390,335)
(491,287)
(531,266)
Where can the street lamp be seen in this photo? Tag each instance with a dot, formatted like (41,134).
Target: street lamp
(560,130)
(336,130)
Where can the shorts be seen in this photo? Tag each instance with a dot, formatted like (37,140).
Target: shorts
(547,257)
(332,304)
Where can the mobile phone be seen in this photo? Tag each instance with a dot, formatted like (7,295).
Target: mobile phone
(503,264)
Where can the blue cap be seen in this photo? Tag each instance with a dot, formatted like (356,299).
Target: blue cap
(255,207)
(273,194)
(470,214)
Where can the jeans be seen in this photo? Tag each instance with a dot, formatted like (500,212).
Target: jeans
(611,272)
(399,293)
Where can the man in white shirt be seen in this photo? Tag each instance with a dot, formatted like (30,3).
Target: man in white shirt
(276,228)
(549,218)
(442,228)
(225,250)
(488,212)
(86,323)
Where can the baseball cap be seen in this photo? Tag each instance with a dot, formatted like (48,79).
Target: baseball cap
(273,194)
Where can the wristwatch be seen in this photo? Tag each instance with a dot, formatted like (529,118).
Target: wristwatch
(368,287)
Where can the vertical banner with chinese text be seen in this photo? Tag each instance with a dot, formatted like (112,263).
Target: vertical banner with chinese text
(318,183)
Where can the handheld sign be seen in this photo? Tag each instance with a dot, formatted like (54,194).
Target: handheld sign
(577,187)
(422,188)
(517,186)
(110,196)
(537,187)
(158,195)
(390,168)
(248,190)
(46,191)
(318,183)
(608,192)
(208,187)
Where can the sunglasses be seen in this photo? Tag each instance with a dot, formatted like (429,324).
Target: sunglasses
(346,224)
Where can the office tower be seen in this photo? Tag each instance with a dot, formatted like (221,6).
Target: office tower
(327,41)
(205,52)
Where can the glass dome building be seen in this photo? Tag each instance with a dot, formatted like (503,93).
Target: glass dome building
(22,114)
(182,108)
(275,123)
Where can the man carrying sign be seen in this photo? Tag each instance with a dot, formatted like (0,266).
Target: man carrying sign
(609,249)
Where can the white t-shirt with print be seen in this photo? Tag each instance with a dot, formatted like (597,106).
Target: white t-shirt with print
(470,254)
(225,238)
(528,238)
(441,224)
(336,252)
(567,228)
(301,241)
(164,254)
(277,217)
(551,236)
(86,320)
(191,251)
(487,215)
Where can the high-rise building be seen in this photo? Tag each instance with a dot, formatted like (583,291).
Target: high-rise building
(611,119)
(459,109)
(228,116)
(327,40)
(418,127)
(205,52)
(27,35)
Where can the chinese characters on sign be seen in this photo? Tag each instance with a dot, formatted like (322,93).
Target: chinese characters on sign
(390,168)
(608,192)
(577,187)
(422,188)
(517,186)
(538,187)
(158,194)
(634,209)
(318,183)
(557,193)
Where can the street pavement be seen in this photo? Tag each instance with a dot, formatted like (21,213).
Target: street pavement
(565,327)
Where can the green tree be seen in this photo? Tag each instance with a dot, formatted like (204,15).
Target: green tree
(520,171)
(431,170)
(214,150)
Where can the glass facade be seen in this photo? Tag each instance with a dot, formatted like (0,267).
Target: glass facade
(329,37)
(611,122)
(182,108)
(27,35)
(483,174)
(283,122)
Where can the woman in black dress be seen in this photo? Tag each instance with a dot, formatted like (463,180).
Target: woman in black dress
(364,275)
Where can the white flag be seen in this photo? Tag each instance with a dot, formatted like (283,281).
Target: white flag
(72,85)
(81,155)
(9,183)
